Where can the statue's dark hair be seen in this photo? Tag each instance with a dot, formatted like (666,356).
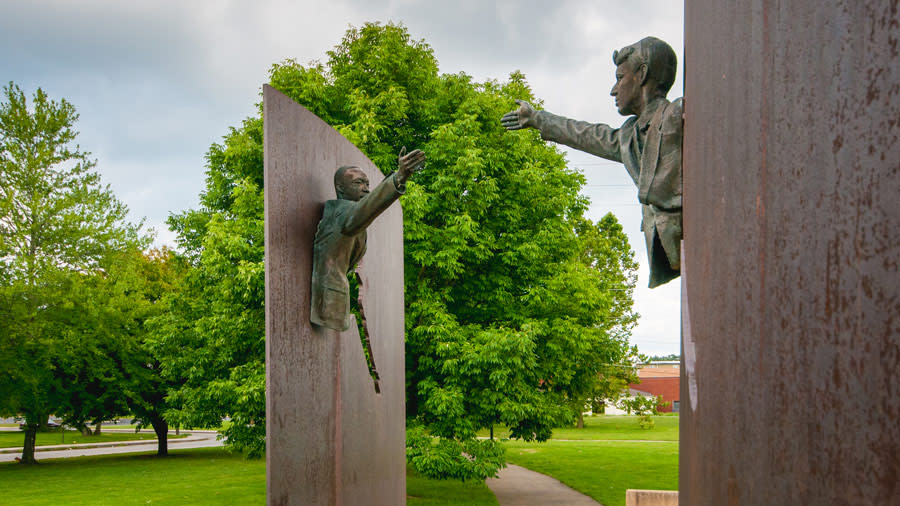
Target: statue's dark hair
(339,175)
(657,55)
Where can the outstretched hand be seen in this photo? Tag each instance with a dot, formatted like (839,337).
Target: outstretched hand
(410,163)
(520,118)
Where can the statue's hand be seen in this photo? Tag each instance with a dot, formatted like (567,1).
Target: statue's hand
(409,163)
(523,117)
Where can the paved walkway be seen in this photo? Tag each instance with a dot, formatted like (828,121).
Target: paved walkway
(197,439)
(517,486)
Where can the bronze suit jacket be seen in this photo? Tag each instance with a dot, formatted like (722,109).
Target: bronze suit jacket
(652,159)
(339,245)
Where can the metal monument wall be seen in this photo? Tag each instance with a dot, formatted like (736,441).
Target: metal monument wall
(791,306)
(331,438)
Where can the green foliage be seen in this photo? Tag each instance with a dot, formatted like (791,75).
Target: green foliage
(514,300)
(211,340)
(468,459)
(643,406)
(60,233)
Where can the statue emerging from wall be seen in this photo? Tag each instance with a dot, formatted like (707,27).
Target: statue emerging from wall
(341,235)
(648,143)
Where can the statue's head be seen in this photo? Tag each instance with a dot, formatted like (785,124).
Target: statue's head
(644,70)
(351,183)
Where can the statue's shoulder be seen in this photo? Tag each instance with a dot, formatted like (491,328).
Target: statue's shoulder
(672,120)
(336,208)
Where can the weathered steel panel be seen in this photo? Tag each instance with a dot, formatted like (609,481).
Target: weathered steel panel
(331,439)
(791,306)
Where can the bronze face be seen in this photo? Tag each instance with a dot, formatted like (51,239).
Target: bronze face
(627,90)
(354,185)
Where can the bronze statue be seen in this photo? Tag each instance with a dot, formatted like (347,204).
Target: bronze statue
(648,143)
(341,235)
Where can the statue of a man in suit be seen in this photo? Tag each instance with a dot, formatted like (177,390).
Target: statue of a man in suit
(341,235)
(648,143)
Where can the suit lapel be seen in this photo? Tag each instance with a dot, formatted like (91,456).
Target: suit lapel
(650,156)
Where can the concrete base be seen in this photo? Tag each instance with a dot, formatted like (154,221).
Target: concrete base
(651,498)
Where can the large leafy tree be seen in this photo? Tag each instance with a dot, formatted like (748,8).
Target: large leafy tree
(58,224)
(137,290)
(211,339)
(514,299)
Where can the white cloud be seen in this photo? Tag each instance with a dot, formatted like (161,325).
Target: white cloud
(157,82)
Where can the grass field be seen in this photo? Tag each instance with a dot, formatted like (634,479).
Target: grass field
(17,439)
(203,476)
(422,491)
(603,470)
(610,455)
(611,427)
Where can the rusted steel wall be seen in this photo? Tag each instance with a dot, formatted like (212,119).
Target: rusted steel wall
(330,438)
(791,294)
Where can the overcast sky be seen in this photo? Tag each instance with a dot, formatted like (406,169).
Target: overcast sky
(156,82)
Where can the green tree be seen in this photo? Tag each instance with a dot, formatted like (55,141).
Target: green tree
(139,289)
(211,339)
(514,300)
(57,224)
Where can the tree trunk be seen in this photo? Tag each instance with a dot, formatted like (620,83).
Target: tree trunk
(85,430)
(162,432)
(97,428)
(580,423)
(178,430)
(28,450)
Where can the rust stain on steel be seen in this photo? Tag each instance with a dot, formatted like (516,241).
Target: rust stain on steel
(791,253)
(331,439)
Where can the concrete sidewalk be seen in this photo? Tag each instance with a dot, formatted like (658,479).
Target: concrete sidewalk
(192,436)
(197,439)
(517,486)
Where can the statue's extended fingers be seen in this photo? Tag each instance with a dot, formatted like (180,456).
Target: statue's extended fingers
(511,124)
(414,158)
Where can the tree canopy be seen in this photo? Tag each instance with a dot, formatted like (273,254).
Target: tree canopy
(514,299)
(60,231)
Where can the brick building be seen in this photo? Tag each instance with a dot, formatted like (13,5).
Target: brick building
(660,378)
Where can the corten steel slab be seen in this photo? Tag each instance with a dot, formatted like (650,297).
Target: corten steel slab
(331,440)
(791,314)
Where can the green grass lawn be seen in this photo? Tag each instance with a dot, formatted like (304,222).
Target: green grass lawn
(17,439)
(611,427)
(425,491)
(603,470)
(610,455)
(197,477)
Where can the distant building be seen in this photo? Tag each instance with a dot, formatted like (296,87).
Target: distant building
(659,378)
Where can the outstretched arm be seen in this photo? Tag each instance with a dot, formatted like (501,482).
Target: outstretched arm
(382,196)
(594,138)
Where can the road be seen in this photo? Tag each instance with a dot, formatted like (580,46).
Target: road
(197,439)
